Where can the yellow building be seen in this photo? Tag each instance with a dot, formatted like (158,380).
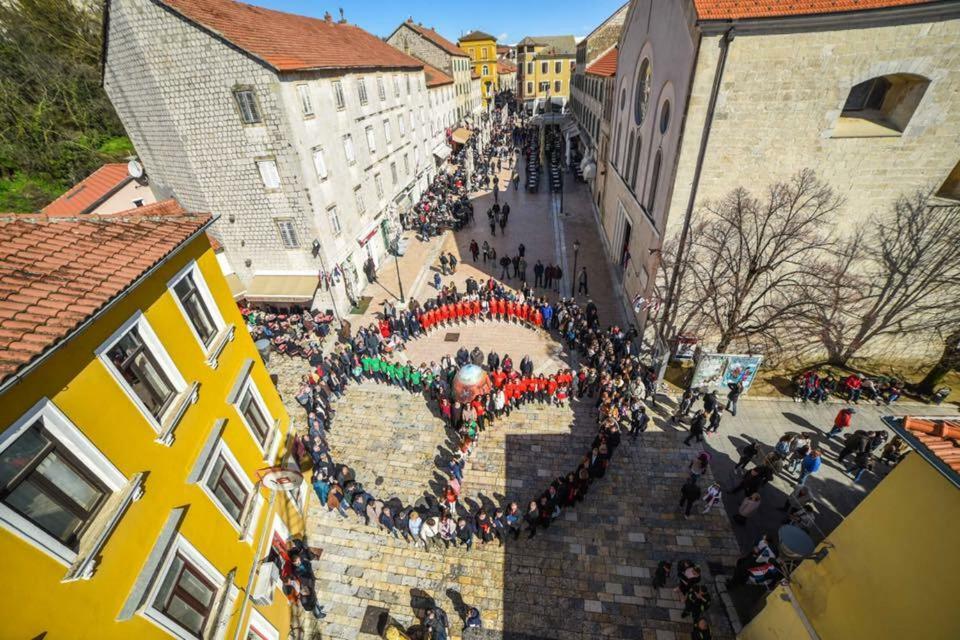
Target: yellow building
(482,48)
(135,413)
(887,571)
(545,66)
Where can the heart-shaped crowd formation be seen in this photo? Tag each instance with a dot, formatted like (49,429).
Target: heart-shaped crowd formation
(610,368)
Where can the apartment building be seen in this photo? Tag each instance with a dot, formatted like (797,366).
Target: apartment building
(135,414)
(545,67)
(482,48)
(425,44)
(443,104)
(306,136)
(507,76)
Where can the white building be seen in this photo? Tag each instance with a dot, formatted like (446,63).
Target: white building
(443,105)
(305,135)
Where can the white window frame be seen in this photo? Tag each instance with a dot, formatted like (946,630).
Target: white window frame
(348,150)
(396,86)
(358,199)
(378,183)
(321,166)
(293,233)
(387,133)
(251,386)
(339,99)
(222,450)
(163,359)
(192,269)
(267,167)
(182,546)
(371,141)
(260,626)
(381,89)
(402,125)
(306,104)
(334,216)
(64,431)
(393,173)
(362,91)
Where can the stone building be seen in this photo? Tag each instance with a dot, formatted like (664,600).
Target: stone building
(596,65)
(545,67)
(482,48)
(425,44)
(713,95)
(306,136)
(441,99)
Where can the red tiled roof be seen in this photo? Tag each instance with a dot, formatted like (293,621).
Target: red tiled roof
(288,42)
(733,9)
(941,437)
(435,77)
(474,36)
(505,67)
(436,39)
(605,65)
(55,272)
(89,192)
(474,75)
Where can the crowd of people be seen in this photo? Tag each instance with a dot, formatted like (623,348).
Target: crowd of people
(814,386)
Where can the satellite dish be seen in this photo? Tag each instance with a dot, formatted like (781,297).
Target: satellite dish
(135,169)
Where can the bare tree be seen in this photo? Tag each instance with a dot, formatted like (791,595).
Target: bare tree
(756,259)
(949,361)
(681,313)
(900,277)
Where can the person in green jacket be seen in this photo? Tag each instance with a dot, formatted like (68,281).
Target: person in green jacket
(367,363)
(416,379)
(390,371)
(376,365)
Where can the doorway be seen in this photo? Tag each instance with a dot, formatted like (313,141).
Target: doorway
(625,245)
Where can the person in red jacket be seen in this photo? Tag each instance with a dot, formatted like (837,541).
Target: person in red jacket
(444,314)
(854,384)
(537,318)
(384,328)
(499,378)
(461,311)
(842,421)
(511,309)
(475,309)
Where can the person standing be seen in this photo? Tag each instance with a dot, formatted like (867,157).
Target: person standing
(689,493)
(538,274)
(696,428)
(582,281)
(749,505)
(474,249)
(810,465)
(736,389)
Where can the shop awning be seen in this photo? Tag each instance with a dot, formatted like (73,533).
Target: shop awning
(282,288)
(236,286)
(441,151)
(461,135)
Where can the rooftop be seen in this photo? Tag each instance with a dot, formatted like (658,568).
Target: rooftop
(477,35)
(290,42)
(436,38)
(57,271)
(84,196)
(435,77)
(605,65)
(506,67)
(734,9)
(935,438)
(559,44)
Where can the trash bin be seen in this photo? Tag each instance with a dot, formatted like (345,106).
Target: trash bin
(263,346)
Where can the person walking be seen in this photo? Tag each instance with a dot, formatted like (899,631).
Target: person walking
(842,421)
(582,281)
(736,390)
(810,465)
(538,274)
(689,493)
(475,250)
(505,263)
(696,428)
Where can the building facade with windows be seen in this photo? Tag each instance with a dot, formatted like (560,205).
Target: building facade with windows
(294,136)
(711,97)
(425,44)
(482,48)
(442,100)
(135,413)
(545,67)
(507,76)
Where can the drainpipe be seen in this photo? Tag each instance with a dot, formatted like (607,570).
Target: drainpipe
(725,41)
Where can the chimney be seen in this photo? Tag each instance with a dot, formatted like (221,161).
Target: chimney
(327,17)
(342,19)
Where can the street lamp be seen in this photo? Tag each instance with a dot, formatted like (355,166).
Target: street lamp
(576,255)
(395,250)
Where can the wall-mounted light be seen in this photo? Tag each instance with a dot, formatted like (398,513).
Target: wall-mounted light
(232,218)
(248,262)
(316,247)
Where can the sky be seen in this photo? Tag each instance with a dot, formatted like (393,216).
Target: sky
(508,20)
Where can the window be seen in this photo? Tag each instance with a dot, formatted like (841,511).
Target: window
(408,85)
(358,197)
(320,163)
(140,369)
(348,149)
(665,117)
(53,481)
(416,157)
(529,87)
(881,106)
(378,183)
(259,628)
(406,164)
(654,183)
(381,89)
(393,172)
(362,90)
(529,68)
(371,141)
(413,124)
(306,106)
(253,412)
(288,234)
(268,173)
(185,592)
(557,84)
(483,53)
(196,302)
(544,67)
(401,125)
(138,202)
(642,92)
(338,94)
(636,163)
(396,86)
(629,156)
(558,66)
(334,218)
(544,87)
(387,135)
(485,70)
(247,105)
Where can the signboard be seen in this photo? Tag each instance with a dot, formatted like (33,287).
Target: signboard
(718,370)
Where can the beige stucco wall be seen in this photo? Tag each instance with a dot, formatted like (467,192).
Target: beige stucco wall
(123,199)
